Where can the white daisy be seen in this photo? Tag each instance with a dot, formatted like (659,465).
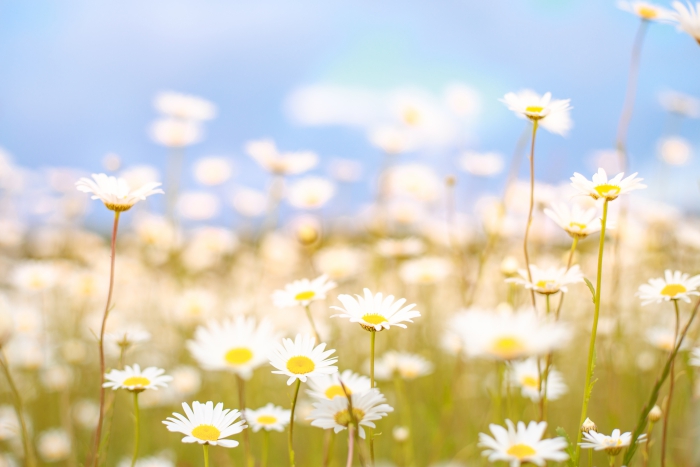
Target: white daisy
(601,187)
(239,346)
(265,153)
(152,461)
(548,281)
(299,359)
(553,115)
(612,444)
(673,286)
(135,380)
(522,445)
(183,106)
(486,164)
(176,133)
(206,424)
(679,103)
(575,221)
(366,408)
(310,192)
(663,339)
(426,270)
(526,375)
(115,193)
(268,418)
(645,10)
(303,292)
(688,17)
(374,312)
(328,386)
(405,365)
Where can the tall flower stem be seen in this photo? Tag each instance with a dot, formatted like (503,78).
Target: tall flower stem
(240,382)
(542,382)
(313,325)
(648,443)
(671,385)
(591,347)
(291,423)
(29,458)
(205,447)
(351,444)
(98,431)
(328,442)
(265,448)
(532,206)
(136,429)
(574,244)
(370,434)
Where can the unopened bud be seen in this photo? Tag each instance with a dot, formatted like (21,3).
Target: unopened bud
(589,426)
(655,414)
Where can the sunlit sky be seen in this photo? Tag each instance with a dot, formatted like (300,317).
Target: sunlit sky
(78,77)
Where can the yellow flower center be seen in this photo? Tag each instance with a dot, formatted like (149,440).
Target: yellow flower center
(136,381)
(530,381)
(671,290)
(520,451)
(534,109)
(577,225)
(411,116)
(335,391)
(267,419)
(544,284)
(206,432)
(647,12)
(343,417)
(507,347)
(300,365)
(373,318)
(606,190)
(238,356)
(306,295)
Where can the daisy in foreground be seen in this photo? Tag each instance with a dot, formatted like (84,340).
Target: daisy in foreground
(688,17)
(135,380)
(376,312)
(115,193)
(600,187)
(366,407)
(612,444)
(522,445)
(206,424)
(548,281)
(673,286)
(646,11)
(551,114)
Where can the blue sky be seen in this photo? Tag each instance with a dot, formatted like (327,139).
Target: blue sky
(78,77)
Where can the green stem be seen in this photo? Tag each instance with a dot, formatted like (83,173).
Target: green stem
(499,385)
(240,382)
(265,449)
(594,331)
(574,244)
(532,205)
(136,428)
(313,325)
(291,423)
(542,383)
(206,454)
(370,434)
(19,408)
(671,384)
(590,458)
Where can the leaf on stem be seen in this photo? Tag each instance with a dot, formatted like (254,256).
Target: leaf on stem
(591,288)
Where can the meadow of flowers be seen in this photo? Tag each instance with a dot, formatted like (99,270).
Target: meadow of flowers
(554,325)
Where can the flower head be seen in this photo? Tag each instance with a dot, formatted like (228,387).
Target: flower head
(646,11)
(135,380)
(688,17)
(675,285)
(548,281)
(206,424)
(612,444)
(183,106)
(575,221)
(335,413)
(268,418)
(522,445)
(115,193)
(328,386)
(551,114)
(300,359)
(526,374)
(601,187)
(265,153)
(405,365)
(303,292)
(375,312)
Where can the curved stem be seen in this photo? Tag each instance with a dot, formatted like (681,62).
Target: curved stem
(313,325)
(19,408)
(136,429)
(671,385)
(594,331)
(532,205)
(291,423)
(98,430)
(574,244)
(542,383)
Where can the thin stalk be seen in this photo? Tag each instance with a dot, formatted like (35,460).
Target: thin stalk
(499,385)
(328,442)
(136,429)
(240,382)
(574,244)
(590,458)
(313,325)
(594,331)
(370,432)
(648,444)
(542,383)
(98,431)
(532,206)
(291,424)
(265,448)
(671,385)
(351,444)
(205,447)
(19,408)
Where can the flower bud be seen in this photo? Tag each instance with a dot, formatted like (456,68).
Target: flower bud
(655,414)
(589,426)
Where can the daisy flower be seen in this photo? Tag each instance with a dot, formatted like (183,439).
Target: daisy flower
(300,359)
(374,312)
(673,286)
(646,11)
(310,193)
(601,187)
(526,375)
(268,418)
(183,106)
(406,365)
(663,339)
(548,281)
(551,114)
(426,270)
(688,17)
(135,380)
(522,445)
(265,153)
(115,193)
(206,424)
(239,346)
(612,444)
(328,386)
(575,221)
(366,408)
(303,292)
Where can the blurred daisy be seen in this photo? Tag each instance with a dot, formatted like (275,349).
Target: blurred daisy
(265,153)
(601,187)
(575,221)
(663,339)
(405,365)
(340,262)
(526,375)
(426,270)
(310,193)
(115,193)
(54,445)
(300,359)
(374,312)
(522,445)
(548,281)
(612,444)
(238,346)
(34,276)
(135,380)
(366,408)
(126,337)
(303,292)
(392,140)
(268,418)
(328,386)
(688,17)
(675,285)
(675,150)
(680,104)
(176,133)
(212,171)
(206,424)
(485,164)
(551,114)
(695,356)
(646,11)
(400,247)
(152,461)
(183,106)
